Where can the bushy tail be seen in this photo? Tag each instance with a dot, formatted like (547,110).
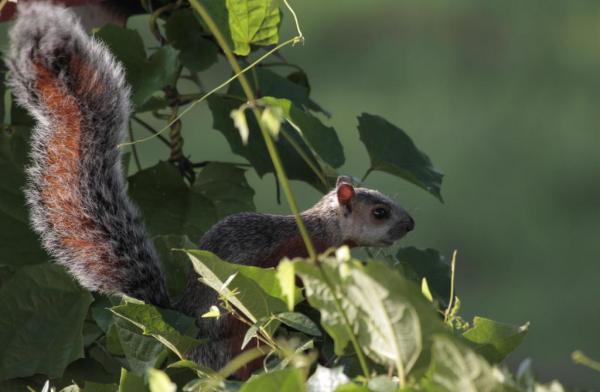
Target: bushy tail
(75,90)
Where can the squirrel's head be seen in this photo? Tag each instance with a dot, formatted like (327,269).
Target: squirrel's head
(368,217)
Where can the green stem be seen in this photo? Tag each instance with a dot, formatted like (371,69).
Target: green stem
(452,272)
(214,29)
(303,155)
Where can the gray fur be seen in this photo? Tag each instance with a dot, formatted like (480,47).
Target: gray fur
(53,35)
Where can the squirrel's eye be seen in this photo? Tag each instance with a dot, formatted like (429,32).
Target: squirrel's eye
(380,213)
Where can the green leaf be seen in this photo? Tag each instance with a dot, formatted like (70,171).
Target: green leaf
(392,151)
(226,186)
(175,264)
(220,15)
(271,84)
(253,22)
(141,352)
(145,75)
(159,71)
(130,382)
(418,264)
(169,206)
(455,367)
(155,323)
(286,276)
(387,313)
(258,292)
(160,382)
(494,340)
(184,32)
(382,384)
(256,152)
(323,140)
(272,118)
(252,332)
(19,244)
(289,380)
(425,290)
(239,120)
(43,310)
(300,322)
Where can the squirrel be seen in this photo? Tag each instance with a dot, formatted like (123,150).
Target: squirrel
(77,94)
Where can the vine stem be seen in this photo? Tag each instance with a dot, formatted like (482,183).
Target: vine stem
(277,163)
(452,272)
(293,40)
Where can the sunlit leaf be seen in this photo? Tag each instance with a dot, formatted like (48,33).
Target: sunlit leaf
(455,367)
(259,294)
(160,382)
(289,380)
(287,281)
(494,340)
(154,323)
(239,120)
(253,22)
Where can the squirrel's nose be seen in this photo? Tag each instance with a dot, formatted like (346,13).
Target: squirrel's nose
(410,225)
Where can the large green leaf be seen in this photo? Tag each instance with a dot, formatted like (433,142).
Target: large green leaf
(169,206)
(494,340)
(417,264)
(323,140)
(259,293)
(386,312)
(166,326)
(226,186)
(141,352)
(145,75)
(18,242)
(289,380)
(256,151)
(392,151)
(253,22)
(184,32)
(456,368)
(42,310)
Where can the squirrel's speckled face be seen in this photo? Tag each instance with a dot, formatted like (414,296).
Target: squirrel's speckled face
(368,217)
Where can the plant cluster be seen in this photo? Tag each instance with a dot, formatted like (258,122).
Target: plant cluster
(352,325)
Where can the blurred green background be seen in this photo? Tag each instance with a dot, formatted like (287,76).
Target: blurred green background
(504,96)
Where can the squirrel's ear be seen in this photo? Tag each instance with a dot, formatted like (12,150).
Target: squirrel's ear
(343,180)
(345,193)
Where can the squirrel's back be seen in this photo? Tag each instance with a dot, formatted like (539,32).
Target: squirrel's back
(76,92)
